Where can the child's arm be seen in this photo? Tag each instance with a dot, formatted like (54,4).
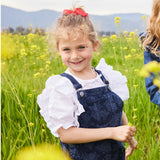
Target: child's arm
(85,135)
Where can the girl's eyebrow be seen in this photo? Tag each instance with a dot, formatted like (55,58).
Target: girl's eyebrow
(82,44)
(63,47)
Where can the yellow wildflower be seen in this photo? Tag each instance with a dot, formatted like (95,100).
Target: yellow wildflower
(153,66)
(125,48)
(41,69)
(34,90)
(132,34)
(136,70)
(47,67)
(135,109)
(117,22)
(126,70)
(36,75)
(113,37)
(3,67)
(31,124)
(43,56)
(30,35)
(133,50)
(128,39)
(157,82)
(144,17)
(130,124)
(48,62)
(23,52)
(128,56)
(144,73)
(125,32)
(134,117)
(117,18)
(8,47)
(135,85)
(41,152)
(29,95)
(105,39)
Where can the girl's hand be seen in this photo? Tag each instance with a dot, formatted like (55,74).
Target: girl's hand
(133,143)
(131,148)
(123,133)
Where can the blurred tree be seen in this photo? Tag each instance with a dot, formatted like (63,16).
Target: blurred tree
(20,29)
(10,30)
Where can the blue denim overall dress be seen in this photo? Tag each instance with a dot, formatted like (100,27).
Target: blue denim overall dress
(103,108)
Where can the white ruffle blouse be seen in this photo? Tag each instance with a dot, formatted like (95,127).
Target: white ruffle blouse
(58,102)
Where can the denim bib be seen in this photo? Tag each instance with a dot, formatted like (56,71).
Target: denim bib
(103,108)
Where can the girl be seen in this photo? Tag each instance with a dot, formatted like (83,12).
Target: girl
(151,44)
(83,105)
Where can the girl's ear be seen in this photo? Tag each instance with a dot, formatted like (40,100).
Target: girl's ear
(95,45)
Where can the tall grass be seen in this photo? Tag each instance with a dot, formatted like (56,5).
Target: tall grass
(25,70)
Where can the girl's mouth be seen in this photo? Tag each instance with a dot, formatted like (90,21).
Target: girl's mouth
(76,63)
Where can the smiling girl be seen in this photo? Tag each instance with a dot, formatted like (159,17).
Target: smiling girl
(83,106)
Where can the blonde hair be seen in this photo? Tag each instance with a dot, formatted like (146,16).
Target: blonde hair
(71,25)
(151,39)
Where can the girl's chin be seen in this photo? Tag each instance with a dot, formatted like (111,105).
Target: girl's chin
(76,69)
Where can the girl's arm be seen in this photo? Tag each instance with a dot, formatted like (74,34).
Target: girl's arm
(86,135)
(124,119)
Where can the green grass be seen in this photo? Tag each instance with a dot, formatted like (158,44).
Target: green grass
(23,78)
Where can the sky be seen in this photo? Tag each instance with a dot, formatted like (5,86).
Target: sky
(97,7)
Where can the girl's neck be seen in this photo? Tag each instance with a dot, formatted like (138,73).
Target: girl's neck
(85,75)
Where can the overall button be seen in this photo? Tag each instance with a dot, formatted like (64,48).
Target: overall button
(81,94)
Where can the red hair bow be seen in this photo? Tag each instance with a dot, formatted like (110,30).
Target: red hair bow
(77,11)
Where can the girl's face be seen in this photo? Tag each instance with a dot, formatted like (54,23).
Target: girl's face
(77,54)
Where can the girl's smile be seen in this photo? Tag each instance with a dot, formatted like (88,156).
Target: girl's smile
(77,63)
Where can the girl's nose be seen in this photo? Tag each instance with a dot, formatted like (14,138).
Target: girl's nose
(74,55)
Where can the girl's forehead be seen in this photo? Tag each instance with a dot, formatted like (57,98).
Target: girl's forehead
(74,41)
(74,36)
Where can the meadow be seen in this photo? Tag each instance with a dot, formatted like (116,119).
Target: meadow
(26,63)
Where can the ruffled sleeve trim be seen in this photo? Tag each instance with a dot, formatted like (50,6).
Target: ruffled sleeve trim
(117,82)
(59,105)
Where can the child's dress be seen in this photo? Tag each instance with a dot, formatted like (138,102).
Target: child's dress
(90,104)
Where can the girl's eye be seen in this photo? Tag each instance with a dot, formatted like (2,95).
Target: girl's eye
(66,49)
(82,47)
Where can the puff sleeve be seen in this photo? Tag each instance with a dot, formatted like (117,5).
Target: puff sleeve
(58,104)
(117,82)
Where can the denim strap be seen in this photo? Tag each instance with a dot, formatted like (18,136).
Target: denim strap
(75,83)
(102,76)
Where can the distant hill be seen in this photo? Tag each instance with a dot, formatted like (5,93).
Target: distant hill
(11,17)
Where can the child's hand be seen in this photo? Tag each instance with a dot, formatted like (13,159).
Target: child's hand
(131,148)
(123,133)
(133,143)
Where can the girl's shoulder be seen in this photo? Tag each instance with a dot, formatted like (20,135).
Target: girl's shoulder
(59,84)
(117,81)
(110,73)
